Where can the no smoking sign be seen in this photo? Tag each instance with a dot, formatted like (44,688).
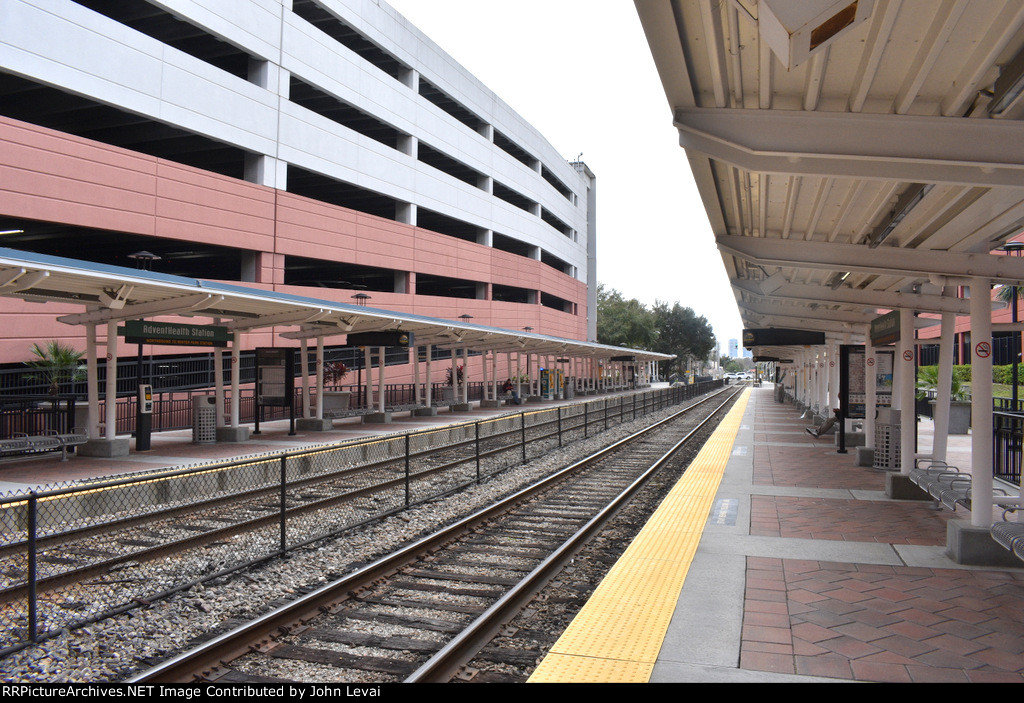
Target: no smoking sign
(983,350)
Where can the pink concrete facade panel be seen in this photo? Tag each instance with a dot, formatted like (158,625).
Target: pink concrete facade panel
(54,177)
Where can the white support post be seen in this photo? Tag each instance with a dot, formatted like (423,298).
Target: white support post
(981,402)
(368,365)
(870,386)
(319,378)
(517,375)
(380,380)
(218,381)
(940,441)
(905,364)
(429,390)
(110,407)
(417,388)
(304,365)
(833,376)
(483,365)
(236,363)
(455,375)
(529,373)
(494,375)
(92,379)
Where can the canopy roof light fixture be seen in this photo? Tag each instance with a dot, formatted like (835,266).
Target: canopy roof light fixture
(1009,85)
(913,195)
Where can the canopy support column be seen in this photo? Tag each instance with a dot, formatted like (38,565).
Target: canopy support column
(107,444)
(313,419)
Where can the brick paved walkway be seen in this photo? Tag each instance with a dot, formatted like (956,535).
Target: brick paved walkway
(863,621)
(883,623)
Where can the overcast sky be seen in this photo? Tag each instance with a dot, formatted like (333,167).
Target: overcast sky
(580,71)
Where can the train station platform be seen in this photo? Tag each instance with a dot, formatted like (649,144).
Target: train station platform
(776,559)
(175,449)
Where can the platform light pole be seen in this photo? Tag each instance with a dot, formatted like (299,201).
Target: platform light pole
(360,299)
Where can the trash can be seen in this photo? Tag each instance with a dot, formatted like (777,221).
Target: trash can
(887,440)
(204,419)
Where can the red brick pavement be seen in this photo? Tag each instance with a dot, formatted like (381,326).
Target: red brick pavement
(849,520)
(865,622)
(883,623)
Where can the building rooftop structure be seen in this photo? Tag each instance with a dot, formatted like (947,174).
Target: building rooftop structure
(316,147)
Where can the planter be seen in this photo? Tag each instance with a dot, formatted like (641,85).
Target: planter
(336,400)
(959,416)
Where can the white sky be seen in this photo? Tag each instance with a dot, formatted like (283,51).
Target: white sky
(580,71)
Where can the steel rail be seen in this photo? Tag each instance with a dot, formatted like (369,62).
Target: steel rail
(444,664)
(204,660)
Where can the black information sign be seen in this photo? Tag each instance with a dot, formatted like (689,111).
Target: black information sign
(380,339)
(852,385)
(275,383)
(771,337)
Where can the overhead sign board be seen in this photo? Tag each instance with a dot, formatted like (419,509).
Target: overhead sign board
(380,339)
(146,332)
(781,337)
(626,357)
(885,330)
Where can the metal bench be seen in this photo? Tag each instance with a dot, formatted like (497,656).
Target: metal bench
(947,485)
(21,444)
(348,412)
(1009,534)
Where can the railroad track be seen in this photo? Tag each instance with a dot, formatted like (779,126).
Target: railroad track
(422,612)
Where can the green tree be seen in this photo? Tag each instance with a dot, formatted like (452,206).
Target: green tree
(684,333)
(730,365)
(623,323)
(56,364)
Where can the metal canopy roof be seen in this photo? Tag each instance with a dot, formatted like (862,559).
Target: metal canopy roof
(112,293)
(864,168)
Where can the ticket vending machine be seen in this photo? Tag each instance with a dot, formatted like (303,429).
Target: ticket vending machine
(144,418)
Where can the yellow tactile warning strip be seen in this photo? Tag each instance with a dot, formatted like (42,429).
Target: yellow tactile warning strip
(617,635)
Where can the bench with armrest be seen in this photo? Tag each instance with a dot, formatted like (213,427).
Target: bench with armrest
(347,412)
(948,485)
(21,444)
(1009,534)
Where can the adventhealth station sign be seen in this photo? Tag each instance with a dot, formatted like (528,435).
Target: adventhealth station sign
(143,332)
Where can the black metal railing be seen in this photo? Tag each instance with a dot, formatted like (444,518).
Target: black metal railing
(36,414)
(1007,437)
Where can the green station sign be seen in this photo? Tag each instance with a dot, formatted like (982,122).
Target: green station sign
(885,330)
(146,332)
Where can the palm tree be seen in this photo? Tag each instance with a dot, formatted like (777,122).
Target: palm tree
(56,364)
(1005,294)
